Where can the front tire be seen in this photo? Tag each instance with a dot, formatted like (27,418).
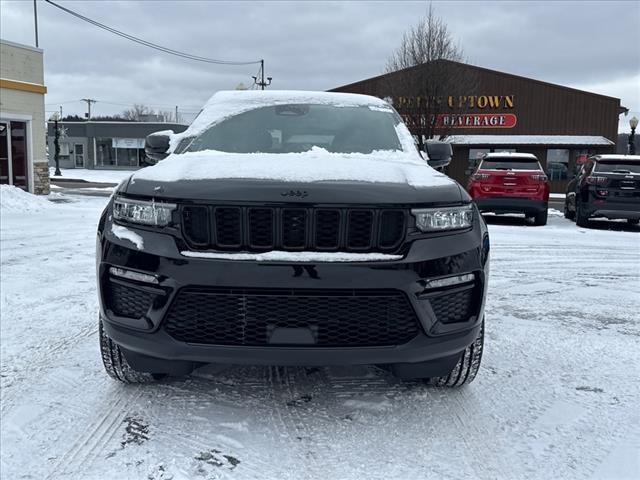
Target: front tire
(116,364)
(467,366)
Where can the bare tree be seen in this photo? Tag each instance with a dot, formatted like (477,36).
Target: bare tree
(167,115)
(136,112)
(426,41)
(423,76)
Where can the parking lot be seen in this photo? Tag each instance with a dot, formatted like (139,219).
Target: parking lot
(556,396)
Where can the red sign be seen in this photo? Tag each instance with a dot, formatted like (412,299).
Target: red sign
(476,120)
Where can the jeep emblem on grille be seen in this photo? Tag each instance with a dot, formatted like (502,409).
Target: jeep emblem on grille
(295,193)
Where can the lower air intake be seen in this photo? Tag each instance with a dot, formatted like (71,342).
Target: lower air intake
(333,318)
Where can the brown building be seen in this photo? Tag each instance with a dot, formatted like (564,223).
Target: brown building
(481,110)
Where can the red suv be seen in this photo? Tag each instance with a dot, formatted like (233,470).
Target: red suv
(511,183)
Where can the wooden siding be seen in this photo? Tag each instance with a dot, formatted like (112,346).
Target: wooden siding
(542,108)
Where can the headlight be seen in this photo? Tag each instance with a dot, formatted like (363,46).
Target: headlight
(446,218)
(145,213)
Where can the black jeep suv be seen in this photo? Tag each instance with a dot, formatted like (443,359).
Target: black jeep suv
(291,228)
(606,186)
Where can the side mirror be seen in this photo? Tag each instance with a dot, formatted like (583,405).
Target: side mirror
(439,153)
(156,146)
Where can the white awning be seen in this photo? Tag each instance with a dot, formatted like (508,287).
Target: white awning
(578,140)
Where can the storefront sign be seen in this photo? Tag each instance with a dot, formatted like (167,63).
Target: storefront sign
(463,120)
(467,102)
(127,142)
(476,120)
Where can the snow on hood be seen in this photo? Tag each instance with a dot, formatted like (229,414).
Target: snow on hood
(315,165)
(226,104)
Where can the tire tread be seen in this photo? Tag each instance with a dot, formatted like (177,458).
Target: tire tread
(116,365)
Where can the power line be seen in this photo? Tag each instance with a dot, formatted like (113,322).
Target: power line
(124,103)
(149,44)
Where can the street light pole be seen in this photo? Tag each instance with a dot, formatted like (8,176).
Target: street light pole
(633,123)
(260,82)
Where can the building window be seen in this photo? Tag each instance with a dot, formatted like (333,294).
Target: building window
(105,153)
(119,152)
(557,163)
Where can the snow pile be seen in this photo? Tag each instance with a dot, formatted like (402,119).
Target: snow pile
(14,199)
(225,104)
(315,165)
(279,256)
(114,176)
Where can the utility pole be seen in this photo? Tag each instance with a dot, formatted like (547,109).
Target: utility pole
(261,83)
(89,102)
(35,20)
(60,112)
(177,121)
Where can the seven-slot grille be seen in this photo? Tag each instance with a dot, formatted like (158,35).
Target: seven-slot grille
(293,228)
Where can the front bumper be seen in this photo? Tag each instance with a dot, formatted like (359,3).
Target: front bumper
(436,257)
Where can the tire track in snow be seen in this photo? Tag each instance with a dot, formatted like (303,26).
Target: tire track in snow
(91,442)
(47,359)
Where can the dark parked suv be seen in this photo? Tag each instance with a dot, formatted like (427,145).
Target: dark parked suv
(292,228)
(606,186)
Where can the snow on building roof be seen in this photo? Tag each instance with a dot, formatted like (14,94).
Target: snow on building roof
(530,140)
(225,104)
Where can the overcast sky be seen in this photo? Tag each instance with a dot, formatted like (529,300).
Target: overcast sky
(593,46)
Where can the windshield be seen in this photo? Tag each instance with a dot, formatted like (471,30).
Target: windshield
(300,127)
(509,164)
(619,166)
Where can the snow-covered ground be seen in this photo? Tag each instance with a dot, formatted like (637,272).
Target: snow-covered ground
(93,176)
(556,397)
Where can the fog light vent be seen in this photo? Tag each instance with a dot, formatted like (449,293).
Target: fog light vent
(131,275)
(450,281)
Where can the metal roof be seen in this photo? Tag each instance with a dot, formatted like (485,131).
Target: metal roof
(529,156)
(567,140)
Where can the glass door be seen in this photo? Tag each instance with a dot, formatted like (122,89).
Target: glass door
(13,153)
(4,152)
(79,155)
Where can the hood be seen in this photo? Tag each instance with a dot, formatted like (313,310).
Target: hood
(316,176)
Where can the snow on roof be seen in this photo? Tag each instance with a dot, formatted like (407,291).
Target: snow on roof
(528,156)
(529,140)
(225,104)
